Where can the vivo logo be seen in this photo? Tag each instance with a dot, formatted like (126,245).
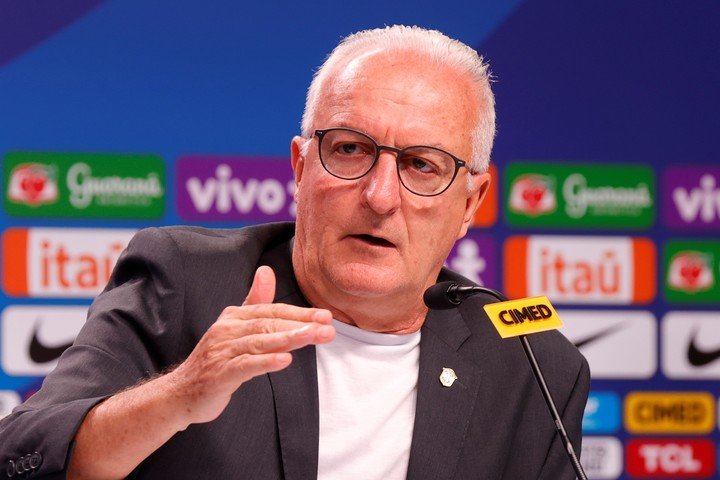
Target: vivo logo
(235,189)
(702,202)
(694,200)
(226,193)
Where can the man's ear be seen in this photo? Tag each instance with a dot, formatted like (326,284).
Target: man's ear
(297,160)
(480,184)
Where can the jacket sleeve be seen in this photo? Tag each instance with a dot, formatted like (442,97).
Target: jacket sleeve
(557,464)
(130,334)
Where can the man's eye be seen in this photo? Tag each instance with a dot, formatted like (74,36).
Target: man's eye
(351,148)
(421,165)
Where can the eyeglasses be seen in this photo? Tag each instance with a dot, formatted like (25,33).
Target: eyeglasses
(348,154)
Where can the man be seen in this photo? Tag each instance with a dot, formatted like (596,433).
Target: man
(170,378)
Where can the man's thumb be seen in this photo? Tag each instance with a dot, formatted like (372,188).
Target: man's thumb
(262,289)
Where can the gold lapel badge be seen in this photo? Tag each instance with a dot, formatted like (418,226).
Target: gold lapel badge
(448,377)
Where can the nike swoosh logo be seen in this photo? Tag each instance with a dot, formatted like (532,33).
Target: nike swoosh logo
(596,336)
(40,353)
(700,358)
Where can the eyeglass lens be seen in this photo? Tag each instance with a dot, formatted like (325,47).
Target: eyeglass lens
(350,155)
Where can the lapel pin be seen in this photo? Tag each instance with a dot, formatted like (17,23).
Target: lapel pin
(448,377)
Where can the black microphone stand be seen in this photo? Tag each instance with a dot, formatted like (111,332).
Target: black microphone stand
(559,426)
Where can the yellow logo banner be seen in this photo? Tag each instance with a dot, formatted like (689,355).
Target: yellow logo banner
(670,412)
(520,317)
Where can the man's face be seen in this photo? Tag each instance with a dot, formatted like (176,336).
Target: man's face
(369,243)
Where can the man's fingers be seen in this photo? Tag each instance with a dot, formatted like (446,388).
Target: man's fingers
(253,365)
(262,289)
(277,310)
(281,341)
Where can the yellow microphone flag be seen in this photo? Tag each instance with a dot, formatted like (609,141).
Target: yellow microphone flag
(520,317)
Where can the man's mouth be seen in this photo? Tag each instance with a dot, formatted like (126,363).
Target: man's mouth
(372,240)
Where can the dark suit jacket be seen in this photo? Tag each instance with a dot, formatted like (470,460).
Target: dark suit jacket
(172,283)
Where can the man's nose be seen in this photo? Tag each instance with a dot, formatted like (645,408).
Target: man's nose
(381,191)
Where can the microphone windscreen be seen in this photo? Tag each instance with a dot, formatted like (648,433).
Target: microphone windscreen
(436,297)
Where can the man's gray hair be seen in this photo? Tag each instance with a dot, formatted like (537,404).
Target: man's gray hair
(441,50)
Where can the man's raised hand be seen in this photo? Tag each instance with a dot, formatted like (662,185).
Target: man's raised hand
(244,342)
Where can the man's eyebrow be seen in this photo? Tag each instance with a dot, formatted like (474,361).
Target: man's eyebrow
(422,144)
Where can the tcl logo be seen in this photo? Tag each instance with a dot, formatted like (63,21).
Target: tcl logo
(60,262)
(609,270)
(671,458)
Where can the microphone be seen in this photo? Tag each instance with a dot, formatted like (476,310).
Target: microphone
(512,318)
(447,295)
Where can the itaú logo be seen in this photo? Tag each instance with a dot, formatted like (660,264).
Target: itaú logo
(609,270)
(60,262)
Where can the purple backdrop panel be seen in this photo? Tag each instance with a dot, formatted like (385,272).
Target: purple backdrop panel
(691,197)
(475,257)
(245,189)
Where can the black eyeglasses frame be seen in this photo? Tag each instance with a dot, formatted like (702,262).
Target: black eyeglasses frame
(398,154)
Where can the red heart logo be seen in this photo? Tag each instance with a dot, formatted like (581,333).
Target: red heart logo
(690,271)
(533,195)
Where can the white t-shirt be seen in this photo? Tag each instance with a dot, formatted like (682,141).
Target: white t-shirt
(367,385)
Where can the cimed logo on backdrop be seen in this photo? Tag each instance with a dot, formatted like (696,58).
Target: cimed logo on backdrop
(474,256)
(580,195)
(33,184)
(691,271)
(84,185)
(669,412)
(533,195)
(249,189)
(692,197)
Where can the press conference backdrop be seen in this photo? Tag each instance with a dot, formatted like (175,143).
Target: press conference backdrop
(120,115)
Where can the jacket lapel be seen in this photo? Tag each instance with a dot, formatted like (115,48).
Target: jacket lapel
(442,413)
(295,388)
(296,408)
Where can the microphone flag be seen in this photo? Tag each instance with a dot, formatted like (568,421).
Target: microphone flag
(523,316)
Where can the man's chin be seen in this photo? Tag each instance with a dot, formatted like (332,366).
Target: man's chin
(366,281)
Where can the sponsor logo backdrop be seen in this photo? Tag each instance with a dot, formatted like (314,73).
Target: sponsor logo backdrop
(605,196)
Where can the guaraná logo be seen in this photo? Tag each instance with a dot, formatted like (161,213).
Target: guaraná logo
(84,185)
